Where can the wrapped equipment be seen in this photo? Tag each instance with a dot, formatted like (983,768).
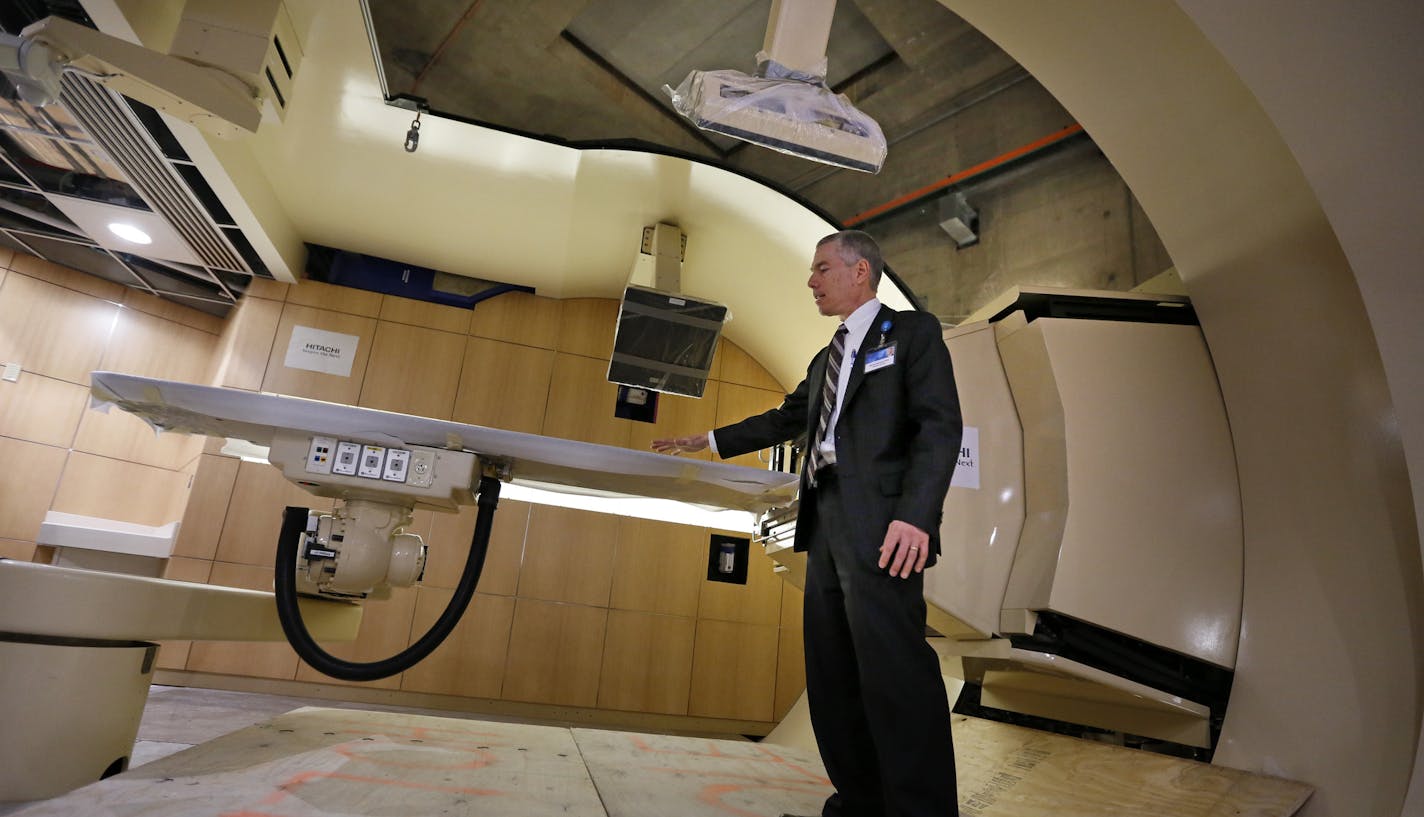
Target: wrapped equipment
(787,111)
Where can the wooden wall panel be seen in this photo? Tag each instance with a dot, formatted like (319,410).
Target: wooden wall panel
(335,298)
(449,546)
(679,415)
(555,653)
(174,654)
(206,512)
(26,486)
(246,344)
(170,311)
(791,652)
(385,631)
(260,659)
(659,567)
(125,491)
(53,331)
(267,288)
(319,385)
(742,369)
(587,327)
(41,409)
(581,403)
(734,671)
(120,435)
(413,370)
(16,549)
(792,603)
(90,285)
(254,516)
(738,402)
(471,661)
(790,671)
(647,663)
(504,385)
(756,602)
(568,556)
(715,372)
(425,314)
(519,317)
(153,347)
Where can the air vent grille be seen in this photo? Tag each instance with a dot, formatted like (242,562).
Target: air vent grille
(113,125)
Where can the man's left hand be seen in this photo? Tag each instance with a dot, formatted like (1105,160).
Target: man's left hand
(906,548)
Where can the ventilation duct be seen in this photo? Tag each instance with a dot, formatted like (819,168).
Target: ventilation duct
(116,129)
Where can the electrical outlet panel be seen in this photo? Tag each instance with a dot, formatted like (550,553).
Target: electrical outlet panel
(373,461)
(397,462)
(350,469)
(320,455)
(348,456)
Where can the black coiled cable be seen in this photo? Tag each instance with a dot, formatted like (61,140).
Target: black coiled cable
(294,522)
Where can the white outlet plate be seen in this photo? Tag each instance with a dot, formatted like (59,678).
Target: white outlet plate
(373,461)
(348,455)
(397,465)
(320,455)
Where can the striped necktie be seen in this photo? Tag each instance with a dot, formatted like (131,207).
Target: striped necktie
(816,459)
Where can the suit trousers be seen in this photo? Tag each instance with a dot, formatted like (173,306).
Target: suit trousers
(877,698)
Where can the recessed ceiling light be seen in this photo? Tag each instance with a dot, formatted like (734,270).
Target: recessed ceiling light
(128,232)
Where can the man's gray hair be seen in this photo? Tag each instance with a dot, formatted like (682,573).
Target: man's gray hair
(855,245)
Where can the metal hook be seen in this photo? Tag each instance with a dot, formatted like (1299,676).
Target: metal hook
(412,136)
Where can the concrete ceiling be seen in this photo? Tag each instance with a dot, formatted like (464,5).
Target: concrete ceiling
(592,71)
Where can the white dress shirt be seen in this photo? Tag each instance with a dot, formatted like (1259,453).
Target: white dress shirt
(858,325)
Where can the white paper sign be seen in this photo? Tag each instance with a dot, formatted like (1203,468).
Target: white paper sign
(318,350)
(966,473)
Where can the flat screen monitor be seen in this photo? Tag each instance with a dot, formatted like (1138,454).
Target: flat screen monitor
(665,341)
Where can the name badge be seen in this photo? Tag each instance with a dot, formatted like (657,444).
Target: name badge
(880,358)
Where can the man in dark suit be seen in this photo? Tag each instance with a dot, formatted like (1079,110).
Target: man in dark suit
(881,414)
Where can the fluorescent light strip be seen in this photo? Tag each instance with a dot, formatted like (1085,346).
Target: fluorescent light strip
(662,510)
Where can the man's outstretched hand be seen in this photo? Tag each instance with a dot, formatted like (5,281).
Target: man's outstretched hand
(677,445)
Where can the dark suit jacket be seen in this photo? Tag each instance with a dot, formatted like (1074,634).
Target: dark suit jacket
(897,439)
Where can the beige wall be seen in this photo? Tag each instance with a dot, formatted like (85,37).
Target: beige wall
(574,609)
(59,325)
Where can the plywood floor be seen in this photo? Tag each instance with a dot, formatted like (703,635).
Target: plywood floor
(320,761)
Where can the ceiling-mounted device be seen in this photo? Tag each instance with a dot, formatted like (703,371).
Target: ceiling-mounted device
(665,340)
(959,220)
(220,56)
(658,264)
(786,105)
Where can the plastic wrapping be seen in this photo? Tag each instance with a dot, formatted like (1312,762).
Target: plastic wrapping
(785,110)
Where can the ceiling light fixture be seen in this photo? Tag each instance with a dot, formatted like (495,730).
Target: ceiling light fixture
(128,232)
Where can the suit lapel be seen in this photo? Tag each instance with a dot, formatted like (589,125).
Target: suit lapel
(872,339)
